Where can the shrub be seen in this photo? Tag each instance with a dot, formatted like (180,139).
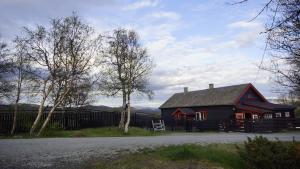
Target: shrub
(260,153)
(297,112)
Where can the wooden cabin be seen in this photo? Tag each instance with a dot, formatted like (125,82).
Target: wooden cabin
(231,103)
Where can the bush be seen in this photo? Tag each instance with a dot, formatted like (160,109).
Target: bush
(260,153)
(297,112)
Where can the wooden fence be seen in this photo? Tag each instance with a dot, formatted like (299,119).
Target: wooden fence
(271,125)
(72,119)
(259,125)
(86,118)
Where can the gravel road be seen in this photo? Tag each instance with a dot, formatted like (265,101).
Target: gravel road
(74,152)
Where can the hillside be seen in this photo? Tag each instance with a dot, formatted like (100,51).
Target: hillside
(34,107)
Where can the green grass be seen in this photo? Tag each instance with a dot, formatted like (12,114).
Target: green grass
(100,132)
(91,132)
(178,156)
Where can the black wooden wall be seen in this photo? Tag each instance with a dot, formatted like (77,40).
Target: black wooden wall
(216,113)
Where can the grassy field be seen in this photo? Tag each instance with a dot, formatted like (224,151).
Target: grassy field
(191,156)
(91,132)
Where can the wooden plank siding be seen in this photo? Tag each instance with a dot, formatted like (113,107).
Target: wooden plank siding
(250,126)
(215,114)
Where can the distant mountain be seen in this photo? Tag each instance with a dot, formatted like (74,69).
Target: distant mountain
(22,106)
(147,109)
(34,107)
(99,108)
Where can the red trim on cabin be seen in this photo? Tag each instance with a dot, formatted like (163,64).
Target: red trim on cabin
(246,90)
(201,110)
(178,109)
(178,114)
(251,111)
(240,115)
(242,94)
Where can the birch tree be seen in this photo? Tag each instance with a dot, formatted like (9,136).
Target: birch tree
(127,69)
(113,81)
(80,94)
(22,76)
(138,66)
(5,70)
(65,55)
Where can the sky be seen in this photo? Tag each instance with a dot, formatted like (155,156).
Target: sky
(193,42)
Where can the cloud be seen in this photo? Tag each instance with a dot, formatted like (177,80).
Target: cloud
(244,33)
(14,14)
(186,51)
(245,25)
(247,38)
(141,4)
(166,15)
(196,61)
(241,40)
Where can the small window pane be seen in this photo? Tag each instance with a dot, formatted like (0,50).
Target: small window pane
(268,116)
(278,114)
(287,114)
(255,116)
(204,115)
(200,116)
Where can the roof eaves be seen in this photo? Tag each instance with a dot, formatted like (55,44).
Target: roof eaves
(195,106)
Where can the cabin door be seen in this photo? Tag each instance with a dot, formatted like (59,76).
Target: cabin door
(248,116)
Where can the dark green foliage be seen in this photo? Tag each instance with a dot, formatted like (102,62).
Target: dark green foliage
(260,153)
(182,153)
(186,156)
(222,154)
(297,112)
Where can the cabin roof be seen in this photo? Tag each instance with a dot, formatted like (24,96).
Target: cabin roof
(209,97)
(268,105)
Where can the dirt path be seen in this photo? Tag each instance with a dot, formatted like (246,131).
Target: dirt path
(71,152)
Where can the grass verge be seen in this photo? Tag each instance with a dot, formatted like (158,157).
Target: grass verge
(91,132)
(190,156)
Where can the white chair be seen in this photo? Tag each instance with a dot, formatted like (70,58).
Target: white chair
(159,126)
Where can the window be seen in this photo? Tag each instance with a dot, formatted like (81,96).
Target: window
(198,116)
(177,116)
(278,114)
(201,116)
(239,116)
(287,114)
(268,116)
(254,116)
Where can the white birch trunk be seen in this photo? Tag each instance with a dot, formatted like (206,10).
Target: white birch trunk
(40,111)
(123,112)
(128,116)
(59,101)
(47,120)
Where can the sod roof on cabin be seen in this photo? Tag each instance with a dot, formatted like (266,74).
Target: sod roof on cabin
(208,97)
